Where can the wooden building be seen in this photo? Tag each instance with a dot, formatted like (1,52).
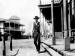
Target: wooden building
(45,9)
(11,27)
(62,15)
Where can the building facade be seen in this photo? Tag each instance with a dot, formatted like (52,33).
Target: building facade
(45,10)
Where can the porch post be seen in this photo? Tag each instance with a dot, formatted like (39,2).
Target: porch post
(52,17)
(66,32)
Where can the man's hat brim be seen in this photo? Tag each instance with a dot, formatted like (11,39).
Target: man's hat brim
(36,17)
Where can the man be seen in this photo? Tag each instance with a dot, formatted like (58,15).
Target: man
(36,33)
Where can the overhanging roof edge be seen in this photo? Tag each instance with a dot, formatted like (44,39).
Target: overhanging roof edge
(49,5)
(44,6)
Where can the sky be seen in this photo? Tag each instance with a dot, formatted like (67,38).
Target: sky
(25,9)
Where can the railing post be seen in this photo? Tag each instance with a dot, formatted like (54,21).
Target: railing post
(3,39)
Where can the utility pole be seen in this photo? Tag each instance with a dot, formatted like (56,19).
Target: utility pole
(52,17)
(66,32)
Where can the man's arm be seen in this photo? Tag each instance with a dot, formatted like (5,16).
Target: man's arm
(33,28)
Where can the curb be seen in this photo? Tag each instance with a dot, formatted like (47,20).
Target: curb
(60,52)
(47,51)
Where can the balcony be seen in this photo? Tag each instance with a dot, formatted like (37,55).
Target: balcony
(11,29)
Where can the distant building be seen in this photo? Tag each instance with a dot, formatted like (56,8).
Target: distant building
(11,27)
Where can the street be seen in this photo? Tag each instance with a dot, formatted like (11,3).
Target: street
(21,47)
(25,47)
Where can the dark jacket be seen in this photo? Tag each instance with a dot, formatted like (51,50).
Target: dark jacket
(36,29)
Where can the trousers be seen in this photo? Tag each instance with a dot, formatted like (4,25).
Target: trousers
(37,42)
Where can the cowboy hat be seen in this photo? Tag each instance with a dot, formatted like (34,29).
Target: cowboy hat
(36,17)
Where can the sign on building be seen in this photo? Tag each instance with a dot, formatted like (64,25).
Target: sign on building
(43,2)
